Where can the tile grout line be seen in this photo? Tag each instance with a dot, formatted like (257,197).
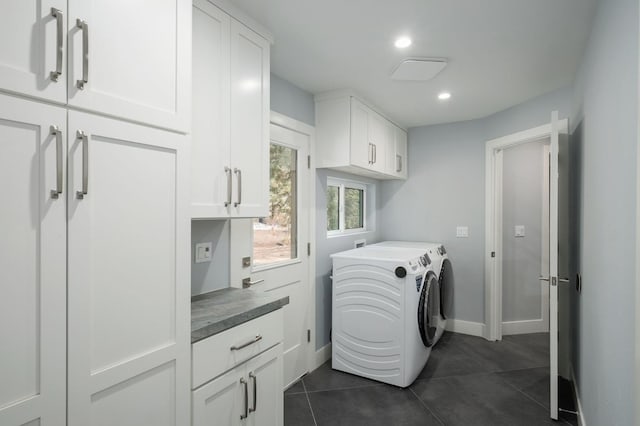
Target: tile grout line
(424,404)
(534,400)
(306,394)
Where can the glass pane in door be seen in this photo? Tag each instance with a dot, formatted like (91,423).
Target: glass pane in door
(275,236)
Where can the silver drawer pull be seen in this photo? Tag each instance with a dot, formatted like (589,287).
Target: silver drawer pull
(85,53)
(244,383)
(56,13)
(244,345)
(85,164)
(55,131)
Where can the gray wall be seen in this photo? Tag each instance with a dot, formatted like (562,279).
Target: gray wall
(445,188)
(292,101)
(522,192)
(604,144)
(286,99)
(325,246)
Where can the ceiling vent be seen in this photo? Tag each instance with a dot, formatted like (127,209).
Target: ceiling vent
(418,69)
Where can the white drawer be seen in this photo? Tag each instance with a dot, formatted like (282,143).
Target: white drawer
(221,352)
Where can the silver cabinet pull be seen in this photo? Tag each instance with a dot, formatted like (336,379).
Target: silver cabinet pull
(227,171)
(55,131)
(564,280)
(255,392)
(85,53)
(398,163)
(246,282)
(375,153)
(370,153)
(237,347)
(85,164)
(541,278)
(238,172)
(243,382)
(56,13)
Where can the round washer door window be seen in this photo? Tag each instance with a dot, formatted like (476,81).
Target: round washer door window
(446,288)
(428,310)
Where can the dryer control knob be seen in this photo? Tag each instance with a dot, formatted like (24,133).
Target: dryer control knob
(401,272)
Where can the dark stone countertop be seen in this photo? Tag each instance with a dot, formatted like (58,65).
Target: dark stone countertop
(217,311)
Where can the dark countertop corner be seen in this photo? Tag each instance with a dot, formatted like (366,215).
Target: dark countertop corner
(220,310)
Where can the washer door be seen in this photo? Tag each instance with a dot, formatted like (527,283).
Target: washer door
(428,310)
(445,283)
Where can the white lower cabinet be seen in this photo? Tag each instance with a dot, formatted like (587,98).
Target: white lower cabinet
(237,375)
(250,394)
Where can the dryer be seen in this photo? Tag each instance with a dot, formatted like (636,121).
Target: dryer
(444,272)
(384,313)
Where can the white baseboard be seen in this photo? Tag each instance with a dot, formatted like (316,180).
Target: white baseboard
(465,327)
(576,390)
(524,327)
(322,355)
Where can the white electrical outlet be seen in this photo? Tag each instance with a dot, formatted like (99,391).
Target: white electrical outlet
(462,232)
(203,252)
(519,231)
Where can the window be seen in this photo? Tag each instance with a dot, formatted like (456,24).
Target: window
(274,237)
(346,206)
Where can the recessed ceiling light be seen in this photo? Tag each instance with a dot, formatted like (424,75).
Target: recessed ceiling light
(403,42)
(443,96)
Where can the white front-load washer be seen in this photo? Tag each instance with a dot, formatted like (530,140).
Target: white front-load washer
(444,272)
(383,313)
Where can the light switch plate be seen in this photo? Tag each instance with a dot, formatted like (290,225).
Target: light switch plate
(519,231)
(462,232)
(203,252)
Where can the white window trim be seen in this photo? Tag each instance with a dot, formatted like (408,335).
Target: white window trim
(342,184)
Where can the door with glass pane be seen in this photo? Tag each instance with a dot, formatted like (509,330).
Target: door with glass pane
(280,256)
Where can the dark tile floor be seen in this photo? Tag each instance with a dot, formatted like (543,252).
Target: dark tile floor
(467,381)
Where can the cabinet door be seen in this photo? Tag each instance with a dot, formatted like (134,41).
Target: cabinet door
(137,62)
(380,135)
(33,48)
(401,159)
(210,148)
(266,397)
(222,401)
(32,264)
(128,276)
(361,146)
(250,83)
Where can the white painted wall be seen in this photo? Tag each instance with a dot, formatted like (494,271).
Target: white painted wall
(522,192)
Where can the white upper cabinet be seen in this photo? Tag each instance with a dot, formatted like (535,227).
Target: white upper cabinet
(352,137)
(230,140)
(33,55)
(131,59)
(32,263)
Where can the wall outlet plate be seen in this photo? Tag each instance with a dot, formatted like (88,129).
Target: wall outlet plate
(462,232)
(519,231)
(203,252)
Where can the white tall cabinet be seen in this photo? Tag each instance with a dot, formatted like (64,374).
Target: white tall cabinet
(94,262)
(230,138)
(32,263)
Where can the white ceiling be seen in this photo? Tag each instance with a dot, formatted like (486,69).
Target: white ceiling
(500,52)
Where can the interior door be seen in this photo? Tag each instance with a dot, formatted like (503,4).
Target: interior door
(128,286)
(280,256)
(32,263)
(33,51)
(558,243)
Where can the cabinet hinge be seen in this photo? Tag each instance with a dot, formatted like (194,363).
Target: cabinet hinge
(308,161)
(308,336)
(308,249)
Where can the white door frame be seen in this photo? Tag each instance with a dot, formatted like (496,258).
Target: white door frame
(493,233)
(300,127)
